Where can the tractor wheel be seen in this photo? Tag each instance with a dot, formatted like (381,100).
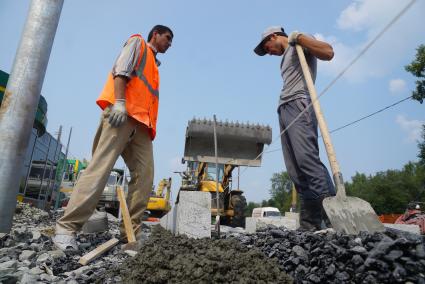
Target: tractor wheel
(238,203)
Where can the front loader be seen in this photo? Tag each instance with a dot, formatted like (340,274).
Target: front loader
(238,144)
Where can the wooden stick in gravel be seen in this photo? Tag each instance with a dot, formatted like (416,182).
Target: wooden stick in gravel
(92,255)
(131,238)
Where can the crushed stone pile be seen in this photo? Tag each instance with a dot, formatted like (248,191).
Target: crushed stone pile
(27,254)
(390,257)
(165,258)
(272,255)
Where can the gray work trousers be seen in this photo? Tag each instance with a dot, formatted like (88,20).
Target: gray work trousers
(301,151)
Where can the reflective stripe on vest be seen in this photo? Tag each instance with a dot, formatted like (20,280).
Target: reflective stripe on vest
(142,77)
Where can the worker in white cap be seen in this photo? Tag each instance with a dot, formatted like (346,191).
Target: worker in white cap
(299,142)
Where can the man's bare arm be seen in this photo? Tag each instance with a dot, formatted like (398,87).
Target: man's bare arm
(320,49)
(120,83)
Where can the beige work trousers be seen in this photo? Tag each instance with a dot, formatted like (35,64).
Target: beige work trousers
(132,141)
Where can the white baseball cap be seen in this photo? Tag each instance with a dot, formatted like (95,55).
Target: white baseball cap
(259,50)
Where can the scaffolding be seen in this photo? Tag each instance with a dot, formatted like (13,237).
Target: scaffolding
(42,171)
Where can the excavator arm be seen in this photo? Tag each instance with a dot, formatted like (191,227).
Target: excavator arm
(227,177)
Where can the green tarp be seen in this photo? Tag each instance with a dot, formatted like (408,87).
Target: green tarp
(40,121)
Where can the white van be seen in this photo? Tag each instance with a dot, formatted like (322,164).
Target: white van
(266,212)
(109,198)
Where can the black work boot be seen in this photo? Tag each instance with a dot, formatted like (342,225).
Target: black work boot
(311,214)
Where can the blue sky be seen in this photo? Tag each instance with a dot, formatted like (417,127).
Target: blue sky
(211,69)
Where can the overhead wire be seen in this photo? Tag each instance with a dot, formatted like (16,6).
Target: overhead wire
(343,71)
(372,114)
(357,120)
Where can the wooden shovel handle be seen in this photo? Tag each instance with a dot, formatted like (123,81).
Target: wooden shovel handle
(339,183)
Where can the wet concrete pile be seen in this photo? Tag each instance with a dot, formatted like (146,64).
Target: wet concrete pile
(27,254)
(390,257)
(165,258)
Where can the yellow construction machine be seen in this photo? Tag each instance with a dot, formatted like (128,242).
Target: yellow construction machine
(237,144)
(159,201)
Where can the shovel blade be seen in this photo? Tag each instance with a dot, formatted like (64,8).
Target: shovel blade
(352,215)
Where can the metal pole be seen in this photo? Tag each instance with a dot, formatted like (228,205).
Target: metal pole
(217,218)
(44,173)
(67,144)
(294,199)
(59,134)
(53,168)
(21,97)
(30,165)
(65,165)
(239,174)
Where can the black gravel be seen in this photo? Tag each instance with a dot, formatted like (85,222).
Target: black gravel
(390,257)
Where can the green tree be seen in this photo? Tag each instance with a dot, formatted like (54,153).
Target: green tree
(421,147)
(280,191)
(390,191)
(248,209)
(417,68)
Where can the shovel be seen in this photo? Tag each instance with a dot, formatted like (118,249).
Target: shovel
(347,214)
(217,217)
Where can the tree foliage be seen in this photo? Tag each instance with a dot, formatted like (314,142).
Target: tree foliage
(421,146)
(248,209)
(387,191)
(417,68)
(390,191)
(280,191)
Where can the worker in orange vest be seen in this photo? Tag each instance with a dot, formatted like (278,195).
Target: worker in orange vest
(129,102)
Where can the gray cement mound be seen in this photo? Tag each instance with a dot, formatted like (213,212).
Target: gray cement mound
(165,258)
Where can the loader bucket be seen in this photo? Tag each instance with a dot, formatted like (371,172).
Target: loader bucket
(237,143)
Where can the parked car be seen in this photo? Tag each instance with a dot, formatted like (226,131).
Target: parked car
(266,212)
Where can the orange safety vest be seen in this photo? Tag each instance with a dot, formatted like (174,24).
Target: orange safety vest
(142,91)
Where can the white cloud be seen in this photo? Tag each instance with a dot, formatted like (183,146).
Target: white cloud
(397,86)
(344,54)
(389,52)
(353,17)
(368,14)
(413,128)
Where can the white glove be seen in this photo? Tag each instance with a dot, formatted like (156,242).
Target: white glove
(293,37)
(118,113)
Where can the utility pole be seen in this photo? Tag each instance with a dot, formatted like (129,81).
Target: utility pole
(21,97)
(65,167)
(59,134)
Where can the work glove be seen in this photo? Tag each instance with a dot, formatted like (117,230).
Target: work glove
(293,38)
(118,113)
